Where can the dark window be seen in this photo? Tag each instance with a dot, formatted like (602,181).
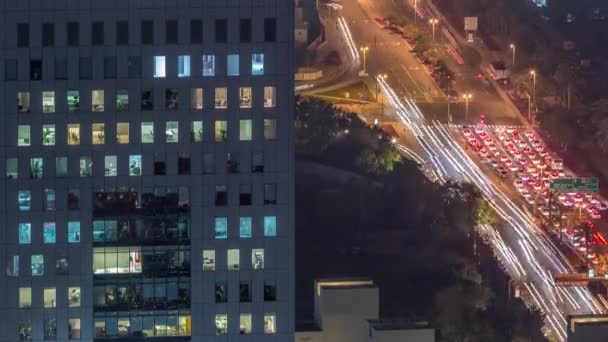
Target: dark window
(122,33)
(183,164)
(35,70)
(245,194)
(171,31)
(208,163)
(61,68)
(245,291)
(10,69)
(221,30)
(48,34)
(257,164)
(221,292)
(134,67)
(270,291)
(232,165)
(147,100)
(85,68)
(73,34)
(74,199)
(221,195)
(159,168)
(245,31)
(109,67)
(97,34)
(196,32)
(147,32)
(270,193)
(171,99)
(23,35)
(270,29)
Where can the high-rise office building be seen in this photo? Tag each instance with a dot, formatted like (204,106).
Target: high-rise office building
(147,170)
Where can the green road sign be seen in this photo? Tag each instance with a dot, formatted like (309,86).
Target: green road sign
(574,184)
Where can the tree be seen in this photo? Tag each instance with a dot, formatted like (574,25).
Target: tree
(485,213)
(318,123)
(379,162)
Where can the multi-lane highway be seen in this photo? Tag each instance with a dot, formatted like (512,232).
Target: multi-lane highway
(523,249)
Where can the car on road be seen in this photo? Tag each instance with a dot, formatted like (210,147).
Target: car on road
(595,214)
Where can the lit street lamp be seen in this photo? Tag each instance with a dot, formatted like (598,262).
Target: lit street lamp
(533,74)
(381,77)
(512,46)
(433,22)
(364,50)
(467,97)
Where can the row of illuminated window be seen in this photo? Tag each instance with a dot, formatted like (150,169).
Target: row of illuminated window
(86,165)
(122,103)
(49,297)
(99,29)
(122,136)
(49,203)
(233,259)
(24,329)
(49,232)
(245,326)
(142,324)
(159,63)
(36,264)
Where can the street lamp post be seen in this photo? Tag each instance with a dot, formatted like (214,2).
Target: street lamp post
(381,77)
(512,46)
(467,97)
(529,108)
(364,50)
(433,22)
(533,74)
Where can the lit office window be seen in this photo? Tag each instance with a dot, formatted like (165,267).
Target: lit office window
(48,102)
(73,297)
(208,260)
(23,102)
(159,67)
(221,227)
(245,97)
(122,100)
(49,200)
(23,135)
(234,259)
(86,167)
(24,200)
(221,98)
(172,131)
(270,129)
(73,101)
(73,134)
(135,165)
(36,168)
(257,64)
(122,132)
(208,65)
(111,166)
(74,328)
(245,227)
(12,266)
(183,66)
(25,233)
(196,134)
(100,327)
(118,260)
(74,231)
(49,232)
(98,136)
(270,226)
(196,96)
(244,130)
(97,101)
(49,297)
(12,168)
(221,130)
(245,324)
(270,323)
(48,135)
(257,258)
(37,265)
(233,65)
(25,297)
(147,132)
(221,324)
(270,97)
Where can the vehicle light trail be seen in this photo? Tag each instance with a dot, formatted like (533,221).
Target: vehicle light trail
(536,259)
(348,38)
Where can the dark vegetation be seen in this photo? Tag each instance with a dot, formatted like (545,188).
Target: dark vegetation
(411,236)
